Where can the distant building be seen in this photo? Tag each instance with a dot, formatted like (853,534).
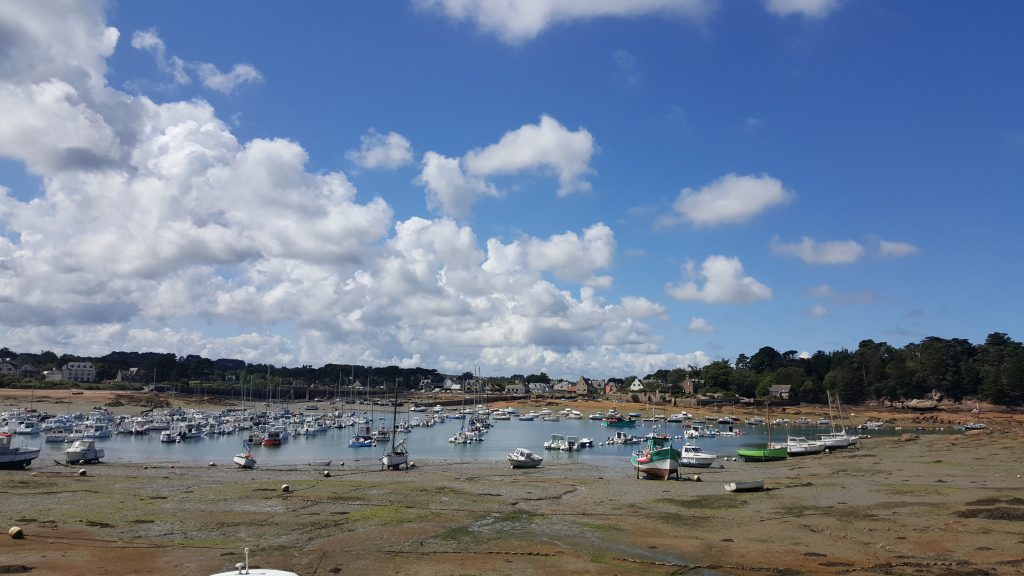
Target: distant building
(636,386)
(690,385)
(78,372)
(7,369)
(129,375)
(780,391)
(518,388)
(585,387)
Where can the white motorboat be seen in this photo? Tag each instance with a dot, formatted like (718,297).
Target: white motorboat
(691,456)
(15,457)
(523,458)
(800,446)
(83,451)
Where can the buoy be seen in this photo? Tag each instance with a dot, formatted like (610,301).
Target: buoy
(82,472)
(327,473)
(696,478)
(213,463)
(285,488)
(342,463)
(16,532)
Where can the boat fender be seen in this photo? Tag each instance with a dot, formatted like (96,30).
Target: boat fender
(342,463)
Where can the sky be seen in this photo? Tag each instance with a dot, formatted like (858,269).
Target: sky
(585,188)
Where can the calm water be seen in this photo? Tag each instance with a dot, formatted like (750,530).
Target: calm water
(423,444)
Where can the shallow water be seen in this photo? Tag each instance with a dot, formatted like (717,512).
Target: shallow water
(426,443)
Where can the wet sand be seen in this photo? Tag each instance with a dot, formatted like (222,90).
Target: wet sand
(942,504)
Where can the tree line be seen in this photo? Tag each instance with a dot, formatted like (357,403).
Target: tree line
(992,371)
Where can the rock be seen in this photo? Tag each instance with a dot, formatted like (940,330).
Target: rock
(16,532)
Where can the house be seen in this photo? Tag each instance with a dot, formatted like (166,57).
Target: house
(565,387)
(129,375)
(451,385)
(585,387)
(78,372)
(7,369)
(780,391)
(518,388)
(636,386)
(690,385)
(610,388)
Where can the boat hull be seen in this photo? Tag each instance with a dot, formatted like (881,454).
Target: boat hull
(762,454)
(661,469)
(749,486)
(18,458)
(394,461)
(244,461)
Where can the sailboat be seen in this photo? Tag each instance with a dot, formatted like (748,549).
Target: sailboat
(245,459)
(398,455)
(836,438)
(768,452)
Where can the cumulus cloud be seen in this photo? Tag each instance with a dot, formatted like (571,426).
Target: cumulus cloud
(567,256)
(227,82)
(389,151)
(700,325)
(893,249)
(818,310)
(813,252)
(731,199)
(724,283)
(454,184)
(155,222)
(808,8)
(522,20)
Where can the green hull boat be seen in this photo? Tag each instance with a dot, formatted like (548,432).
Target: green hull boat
(764,454)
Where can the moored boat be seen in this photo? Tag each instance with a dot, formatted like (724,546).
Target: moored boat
(766,453)
(15,457)
(691,456)
(748,486)
(245,459)
(83,451)
(658,459)
(523,458)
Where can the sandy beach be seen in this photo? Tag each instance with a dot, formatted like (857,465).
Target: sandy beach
(940,504)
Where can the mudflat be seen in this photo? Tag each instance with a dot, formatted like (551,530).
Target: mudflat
(939,504)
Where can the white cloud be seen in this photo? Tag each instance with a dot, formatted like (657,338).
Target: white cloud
(226,83)
(566,256)
(627,67)
(545,145)
(724,283)
(893,249)
(156,229)
(813,252)
(209,74)
(453,185)
(701,325)
(818,310)
(808,8)
(520,20)
(731,199)
(390,151)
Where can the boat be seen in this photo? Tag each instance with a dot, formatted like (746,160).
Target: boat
(658,459)
(691,456)
(243,568)
(83,451)
(618,422)
(523,458)
(556,442)
(245,459)
(398,455)
(15,457)
(748,486)
(801,446)
(767,453)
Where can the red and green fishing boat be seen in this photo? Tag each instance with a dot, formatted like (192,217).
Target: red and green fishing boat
(658,458)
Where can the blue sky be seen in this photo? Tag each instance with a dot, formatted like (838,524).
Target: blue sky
(584,188)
